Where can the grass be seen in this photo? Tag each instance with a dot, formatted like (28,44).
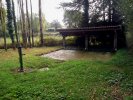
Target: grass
(66,80)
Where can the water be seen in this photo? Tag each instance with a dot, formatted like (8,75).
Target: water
(76,54)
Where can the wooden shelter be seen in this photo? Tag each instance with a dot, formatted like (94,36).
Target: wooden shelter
(88,31)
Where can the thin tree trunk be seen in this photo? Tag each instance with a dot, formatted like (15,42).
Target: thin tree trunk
(86,14)
(24,35)
(109,12)
(14,19)
(32,24)
(41,28)
(3,22)
(20,26)
(28,21)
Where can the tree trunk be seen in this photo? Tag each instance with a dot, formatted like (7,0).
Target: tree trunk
(40,20)
(20,26)
(14,19)
(32,24)
(86,14)
(24,35)
(28,22)
(109,12)
(3,23)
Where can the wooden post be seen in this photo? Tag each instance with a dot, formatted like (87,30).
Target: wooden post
(20,59)
(64,42)
(86,42)
(115,41)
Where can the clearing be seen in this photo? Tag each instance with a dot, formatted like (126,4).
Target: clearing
(79,79)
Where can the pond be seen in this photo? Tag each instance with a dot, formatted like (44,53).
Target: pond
(79,55)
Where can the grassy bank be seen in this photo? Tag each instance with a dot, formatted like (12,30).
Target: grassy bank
(70,80)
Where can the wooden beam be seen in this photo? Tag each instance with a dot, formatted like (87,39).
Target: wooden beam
(89,29)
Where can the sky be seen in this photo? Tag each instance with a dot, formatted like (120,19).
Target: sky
(49,9)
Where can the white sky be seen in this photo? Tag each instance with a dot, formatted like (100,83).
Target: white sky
(50,9)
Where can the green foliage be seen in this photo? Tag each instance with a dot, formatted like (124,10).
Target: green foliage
(72,18)
(127,10)
(127,85)
(95,11)
(115,77)
(122,59)
(55,24)
(35,23)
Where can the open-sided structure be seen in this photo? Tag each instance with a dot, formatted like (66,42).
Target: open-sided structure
(110,31)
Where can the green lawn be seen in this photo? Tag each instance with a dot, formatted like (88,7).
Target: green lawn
(65,80)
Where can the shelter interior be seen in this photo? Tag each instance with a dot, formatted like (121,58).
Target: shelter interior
(105,37)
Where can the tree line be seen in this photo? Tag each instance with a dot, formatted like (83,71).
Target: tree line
(82,13)
(24,25)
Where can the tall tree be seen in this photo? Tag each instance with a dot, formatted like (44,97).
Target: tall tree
(78,5)
(40,19)
(103,10)
(32,32)
(3,23)
(14,19)
(56,24)
(111,9)
(10,22)
(95,11)
(72,18)
(86,13)
(116,12)
(28,22)
(24,34)
(127,10)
